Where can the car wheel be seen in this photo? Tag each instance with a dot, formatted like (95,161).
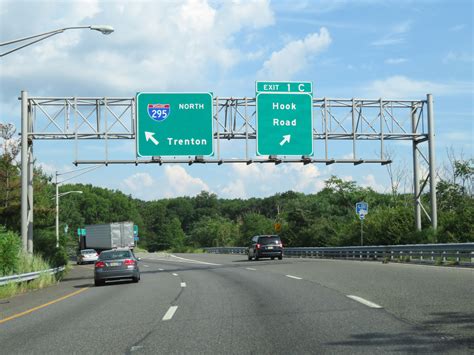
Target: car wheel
(273,258)
(99,282)
(136,279)
(280,257)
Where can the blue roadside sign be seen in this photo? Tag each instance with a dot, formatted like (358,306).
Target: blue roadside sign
(362,209)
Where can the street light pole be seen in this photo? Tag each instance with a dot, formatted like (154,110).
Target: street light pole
(104,29)
(57,210)
(26,149)
(58,195)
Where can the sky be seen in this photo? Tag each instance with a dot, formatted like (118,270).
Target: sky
(360,48)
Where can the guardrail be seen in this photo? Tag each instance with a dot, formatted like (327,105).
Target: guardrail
(29,276)
(460,253)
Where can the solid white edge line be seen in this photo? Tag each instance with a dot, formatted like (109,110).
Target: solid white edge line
(170,313)
(161,269)
(174,274)
(294,277)
(364,301)
(193,261)
(183,284)
(249,268)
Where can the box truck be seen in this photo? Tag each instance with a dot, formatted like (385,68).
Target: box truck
(108,236)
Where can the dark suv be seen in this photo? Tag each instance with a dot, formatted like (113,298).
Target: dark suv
(265,246)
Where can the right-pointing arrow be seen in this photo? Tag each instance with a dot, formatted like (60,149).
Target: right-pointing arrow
(286,139)
(149,137)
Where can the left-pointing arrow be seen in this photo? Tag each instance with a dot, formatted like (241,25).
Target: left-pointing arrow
(149,137)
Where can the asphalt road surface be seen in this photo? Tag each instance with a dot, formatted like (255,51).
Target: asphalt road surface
(224,304)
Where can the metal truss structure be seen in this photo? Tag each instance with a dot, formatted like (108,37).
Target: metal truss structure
(358,122)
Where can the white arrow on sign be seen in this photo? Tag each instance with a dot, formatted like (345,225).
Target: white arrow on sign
(149,137)
(286,139)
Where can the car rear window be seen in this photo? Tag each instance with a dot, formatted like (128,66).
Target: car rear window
(88,251)
(269,240)
(112,255)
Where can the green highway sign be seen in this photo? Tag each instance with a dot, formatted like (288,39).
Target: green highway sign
(284,86)
(174,124)
(284,124)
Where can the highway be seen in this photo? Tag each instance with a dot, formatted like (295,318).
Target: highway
(217,304)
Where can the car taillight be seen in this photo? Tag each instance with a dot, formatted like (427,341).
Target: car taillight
(99,264)
(258,246)
(129,262)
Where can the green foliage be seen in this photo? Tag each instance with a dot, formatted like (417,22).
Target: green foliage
(218,231)
(10,246)
(324,219)
(255,224)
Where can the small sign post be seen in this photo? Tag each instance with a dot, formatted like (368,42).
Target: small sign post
(362,209)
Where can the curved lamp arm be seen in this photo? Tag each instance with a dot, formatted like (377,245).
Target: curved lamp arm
(104,29)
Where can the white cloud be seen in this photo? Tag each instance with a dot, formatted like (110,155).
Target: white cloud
(395,35)
(397,87)
(156,46)
(267,179)
(295,56)
(138,181)
(370,181)
(64,171)
(234,189)
(458,57)
(395,60)
(180,183)
(306,177)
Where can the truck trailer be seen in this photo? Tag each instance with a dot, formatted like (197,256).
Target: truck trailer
(108,236)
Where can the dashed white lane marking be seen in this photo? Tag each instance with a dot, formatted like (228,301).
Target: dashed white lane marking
(170,313)
(294,277)
(146,265)
(364,301)
(161,269)
(249,268)
(174,274)
(136,347)
(183,284)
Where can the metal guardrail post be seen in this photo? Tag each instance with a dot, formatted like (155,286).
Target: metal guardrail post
(29,275)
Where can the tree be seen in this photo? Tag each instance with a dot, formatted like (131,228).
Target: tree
(9,177)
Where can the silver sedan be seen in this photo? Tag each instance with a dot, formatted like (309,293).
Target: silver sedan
(116,264)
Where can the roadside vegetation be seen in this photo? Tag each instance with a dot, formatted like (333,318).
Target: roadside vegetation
(14,261)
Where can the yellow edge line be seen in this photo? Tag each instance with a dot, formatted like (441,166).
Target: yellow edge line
(42,306)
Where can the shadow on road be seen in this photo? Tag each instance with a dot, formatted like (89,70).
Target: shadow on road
(427,336)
